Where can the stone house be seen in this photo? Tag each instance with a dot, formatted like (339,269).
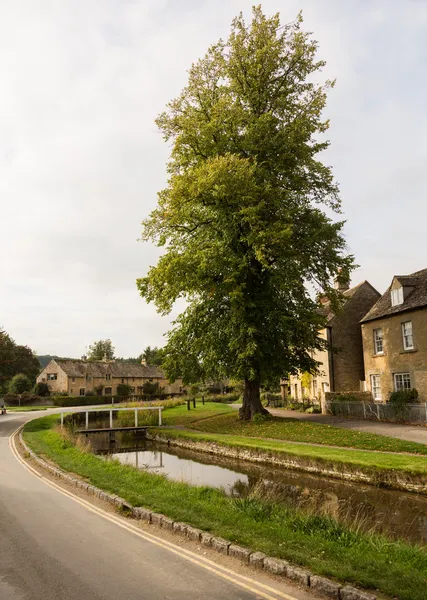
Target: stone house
(394,334)
(341,367)
(77,377)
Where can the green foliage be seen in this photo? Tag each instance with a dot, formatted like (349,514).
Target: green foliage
(99,389)
(345,398)
(19,384)
(153,356)
(150,388)
(124,390)
(15,359)
(100,350)
(404,397)
(241,218)
(41,389)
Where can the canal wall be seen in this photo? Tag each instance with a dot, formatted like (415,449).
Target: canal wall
(397,480)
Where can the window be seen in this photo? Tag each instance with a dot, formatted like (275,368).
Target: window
(108,376)
(402,381)
(73,379)
(376,387)
(397,296)
(408,338)
(108,391)
(378,341)
(123,379)
(315,388)
(82,391)
(52,376)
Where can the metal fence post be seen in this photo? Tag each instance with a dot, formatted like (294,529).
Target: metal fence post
(378,412)
(160,415)
(111,419)
(87,419)
(136,417)
(62,419)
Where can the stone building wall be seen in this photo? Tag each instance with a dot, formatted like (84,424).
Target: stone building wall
(395,359)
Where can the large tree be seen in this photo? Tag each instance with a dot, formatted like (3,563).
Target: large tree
(241,219)
(100,350)
(16,359)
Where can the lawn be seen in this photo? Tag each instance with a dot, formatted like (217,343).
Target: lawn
(180,415)
(294,430)
(319,543)
(26,408)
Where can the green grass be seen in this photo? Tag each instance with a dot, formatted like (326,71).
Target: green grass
(319,543)
(26,408)
(374,461)
(294,430)
(180,415)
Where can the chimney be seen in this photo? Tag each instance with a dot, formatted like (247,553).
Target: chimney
(84,357)
(143,362)
(342,285)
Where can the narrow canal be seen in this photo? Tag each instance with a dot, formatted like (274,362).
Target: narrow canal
(397,514)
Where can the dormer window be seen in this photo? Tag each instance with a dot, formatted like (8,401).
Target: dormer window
(397,296)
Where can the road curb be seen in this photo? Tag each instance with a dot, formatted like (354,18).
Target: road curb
(320,585)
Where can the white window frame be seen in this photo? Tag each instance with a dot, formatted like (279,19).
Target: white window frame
(376,387)
(402,381)
(407,335)
(397,296)
(378,341)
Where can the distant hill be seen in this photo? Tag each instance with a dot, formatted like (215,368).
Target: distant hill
(44,359)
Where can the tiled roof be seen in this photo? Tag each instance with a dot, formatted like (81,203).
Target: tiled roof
(416,298)
(326,310)
(81,368)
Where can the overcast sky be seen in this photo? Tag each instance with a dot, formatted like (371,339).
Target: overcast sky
(81,159)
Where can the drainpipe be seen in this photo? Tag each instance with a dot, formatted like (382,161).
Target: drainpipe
(330,359)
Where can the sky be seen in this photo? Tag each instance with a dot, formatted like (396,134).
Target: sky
(81,159)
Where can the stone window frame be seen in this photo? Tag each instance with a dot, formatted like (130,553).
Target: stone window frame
(107,376)
(378,341)
(52,376)
(407,338)
(82,390)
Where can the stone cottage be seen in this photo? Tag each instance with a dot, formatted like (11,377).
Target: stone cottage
(78,377)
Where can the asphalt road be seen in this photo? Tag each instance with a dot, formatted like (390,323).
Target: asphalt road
(54,548)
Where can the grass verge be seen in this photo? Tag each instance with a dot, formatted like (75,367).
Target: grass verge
(319,543)
(374,461)
(27,408)
(302,431)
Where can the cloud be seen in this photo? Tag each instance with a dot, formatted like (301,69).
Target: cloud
(81,159)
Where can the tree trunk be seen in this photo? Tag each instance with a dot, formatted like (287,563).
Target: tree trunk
(251,401)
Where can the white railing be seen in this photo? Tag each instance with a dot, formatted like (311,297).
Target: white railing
(136,409)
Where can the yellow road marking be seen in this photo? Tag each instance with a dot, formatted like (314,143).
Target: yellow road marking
(241,580)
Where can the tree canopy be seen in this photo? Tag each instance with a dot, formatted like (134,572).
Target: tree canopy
(243,219)
(100,350)
(16,359)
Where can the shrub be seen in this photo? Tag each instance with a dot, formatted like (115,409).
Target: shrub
(89,393)
(99,389)
(25,399)
(124,390)
(19,384)
(150,388)
(223,398)
(404,396)
(41,389)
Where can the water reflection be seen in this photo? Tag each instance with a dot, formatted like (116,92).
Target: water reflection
(396,513)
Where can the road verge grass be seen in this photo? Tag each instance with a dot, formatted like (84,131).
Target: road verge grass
(293,430)
(325,546)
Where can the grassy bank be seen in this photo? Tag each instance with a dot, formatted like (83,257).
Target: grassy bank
(302,431)
(374,461)
(320,543)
